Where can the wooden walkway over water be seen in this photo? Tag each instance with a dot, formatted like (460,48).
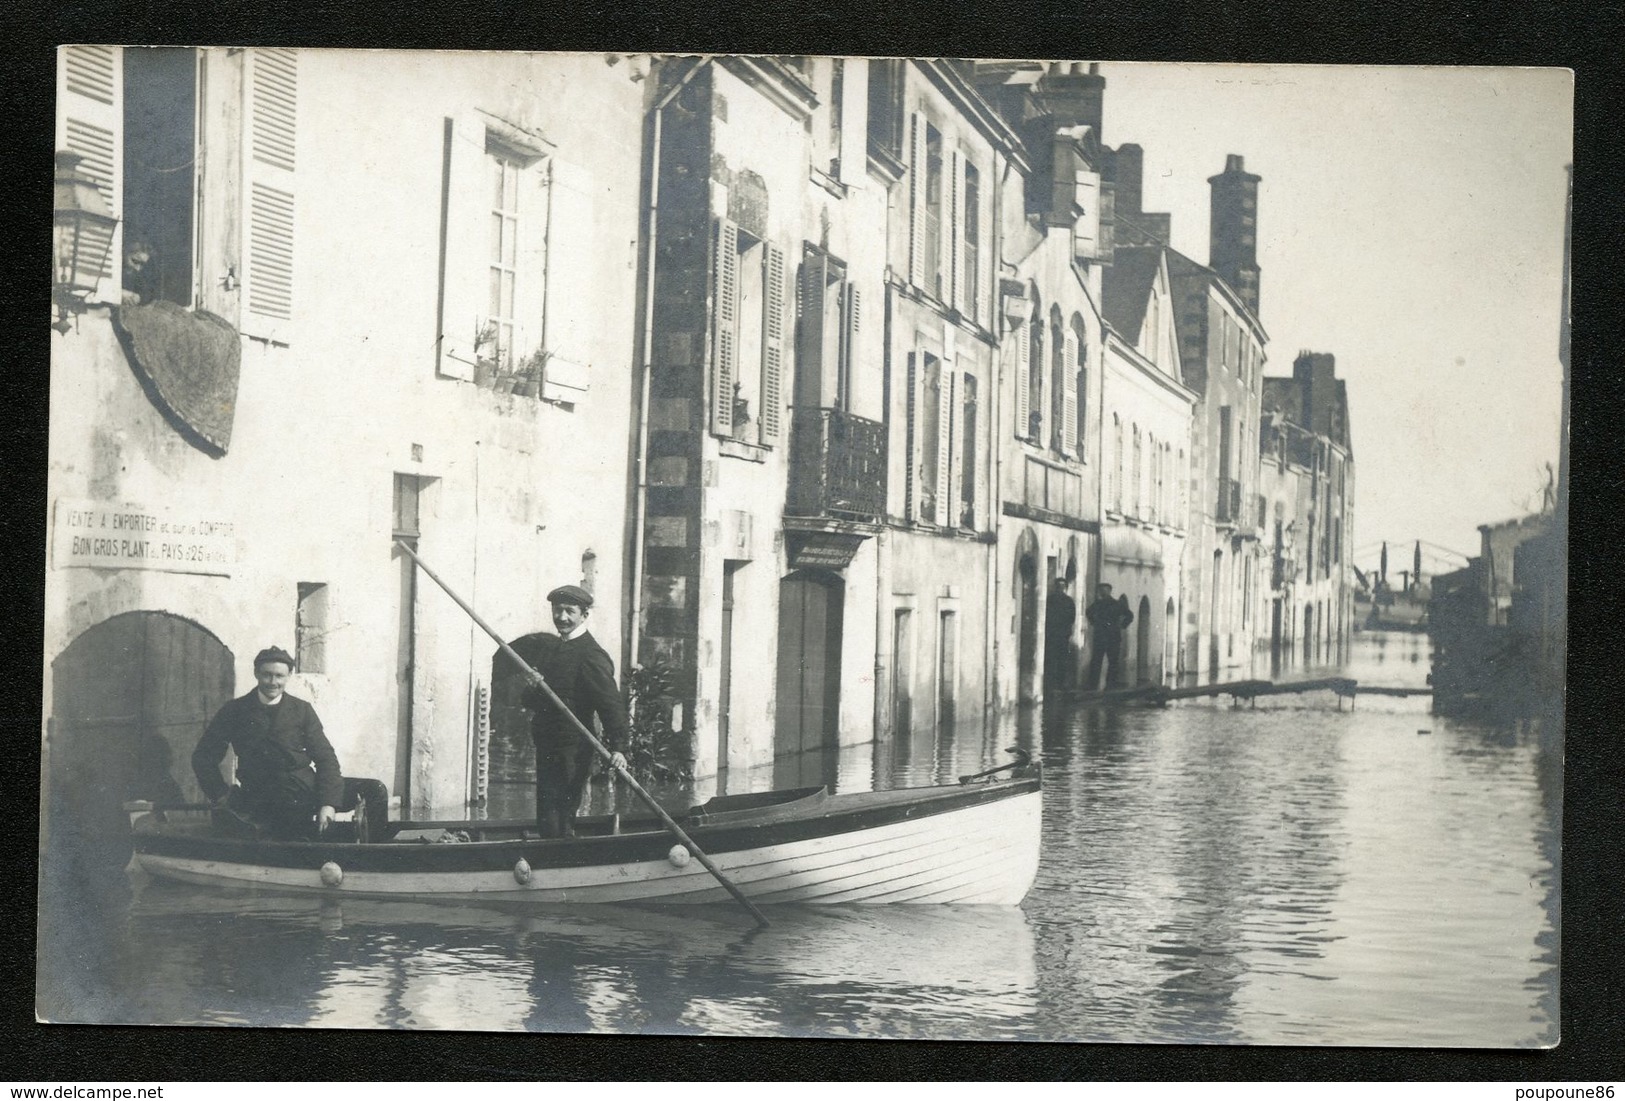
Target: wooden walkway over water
(1249,690)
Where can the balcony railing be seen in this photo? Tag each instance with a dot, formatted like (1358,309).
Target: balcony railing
(837,466)
(1229,504)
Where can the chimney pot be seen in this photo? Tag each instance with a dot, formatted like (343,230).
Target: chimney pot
(1234,163)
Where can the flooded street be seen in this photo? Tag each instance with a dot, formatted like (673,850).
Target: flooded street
(1289,873)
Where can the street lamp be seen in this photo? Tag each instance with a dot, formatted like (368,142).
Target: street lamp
(83,234)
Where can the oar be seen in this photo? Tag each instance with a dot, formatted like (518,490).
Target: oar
(598,746)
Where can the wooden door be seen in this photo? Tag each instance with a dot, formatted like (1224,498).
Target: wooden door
(809,661)
(130,699)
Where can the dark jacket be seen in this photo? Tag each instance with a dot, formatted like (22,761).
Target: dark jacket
(582,675)
(1108,616)
(274,744)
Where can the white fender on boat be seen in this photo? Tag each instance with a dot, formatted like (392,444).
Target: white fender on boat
(678,856)
(521,872)
(332,874)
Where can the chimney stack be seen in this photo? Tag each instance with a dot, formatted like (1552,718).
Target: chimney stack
(1233,229)
(1073,94)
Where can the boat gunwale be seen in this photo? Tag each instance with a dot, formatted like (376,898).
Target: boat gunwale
(837,814)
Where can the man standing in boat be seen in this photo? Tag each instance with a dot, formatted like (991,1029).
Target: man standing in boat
(582,675)
(287,772)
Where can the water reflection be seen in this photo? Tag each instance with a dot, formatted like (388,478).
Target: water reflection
(1286,873)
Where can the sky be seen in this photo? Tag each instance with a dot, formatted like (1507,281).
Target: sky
(1411,224)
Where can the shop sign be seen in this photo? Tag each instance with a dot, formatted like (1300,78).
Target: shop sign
(126,536)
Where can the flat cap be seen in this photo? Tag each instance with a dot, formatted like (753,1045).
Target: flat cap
(273,653)
(570,594)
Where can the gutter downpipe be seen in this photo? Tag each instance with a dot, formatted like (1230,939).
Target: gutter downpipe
(995,448)
(640,505)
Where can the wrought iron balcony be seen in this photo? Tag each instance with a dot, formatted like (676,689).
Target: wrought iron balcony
(837,466)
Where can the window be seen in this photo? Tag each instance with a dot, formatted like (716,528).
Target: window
(829,314)
(748,336)
(504,255)
(1035,380)
(311,627)
(209,227)
(973,241)
(1080,413)
(968,465)
(929,491)
(1062,398)
(1138,500)
(933,211)
(1117,464)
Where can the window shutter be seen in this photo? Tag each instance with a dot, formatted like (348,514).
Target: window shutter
(853,357)
(90,122)
(725,326)
(911,464)
(947,422)
(572,263)
(1069,399)
(916,185)
(956,229)
(970,491)
(465,249)
(268,181)
(810,308)
(854,151)
(1086,231)
(772,342)
(1023,382)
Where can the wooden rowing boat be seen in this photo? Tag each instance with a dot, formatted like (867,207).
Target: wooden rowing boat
(972,842)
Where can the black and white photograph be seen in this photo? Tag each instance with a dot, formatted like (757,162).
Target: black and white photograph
(767,546)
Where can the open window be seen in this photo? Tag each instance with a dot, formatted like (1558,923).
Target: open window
(748,288)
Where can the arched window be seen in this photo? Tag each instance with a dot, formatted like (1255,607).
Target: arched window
(1080,382)
(1137,486)
(1117,464)
(1059,387)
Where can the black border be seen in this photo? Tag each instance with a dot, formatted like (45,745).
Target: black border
(1430,32)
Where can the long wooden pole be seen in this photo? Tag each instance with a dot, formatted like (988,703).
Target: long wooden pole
(592,740)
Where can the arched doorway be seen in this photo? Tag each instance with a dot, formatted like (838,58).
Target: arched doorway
(1170,635)
(1142,642)
(1027,636)
(811,605)
(129,700)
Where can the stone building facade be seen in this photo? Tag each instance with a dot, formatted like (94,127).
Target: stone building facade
(346,334)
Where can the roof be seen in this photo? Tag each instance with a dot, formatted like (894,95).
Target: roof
(1126,288)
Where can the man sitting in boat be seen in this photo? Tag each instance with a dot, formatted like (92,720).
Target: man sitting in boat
(582,675)
(287,773)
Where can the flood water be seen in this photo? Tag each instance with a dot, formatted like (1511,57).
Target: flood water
(1289,873)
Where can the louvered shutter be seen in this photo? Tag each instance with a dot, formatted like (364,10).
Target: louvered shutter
(852,352)
(1023,382)
(810,330)
(911,463)
(271,125)
(724,326)
(90,122)
(916,185)
(956,230)
(971,471)
(1069,398)
(947,437)
(772,342)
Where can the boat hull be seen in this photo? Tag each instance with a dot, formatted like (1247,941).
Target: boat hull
(971,844)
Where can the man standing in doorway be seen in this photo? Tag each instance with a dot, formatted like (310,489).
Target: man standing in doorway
(287,773)
(1107,620)
(1060,613)
(582,675)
